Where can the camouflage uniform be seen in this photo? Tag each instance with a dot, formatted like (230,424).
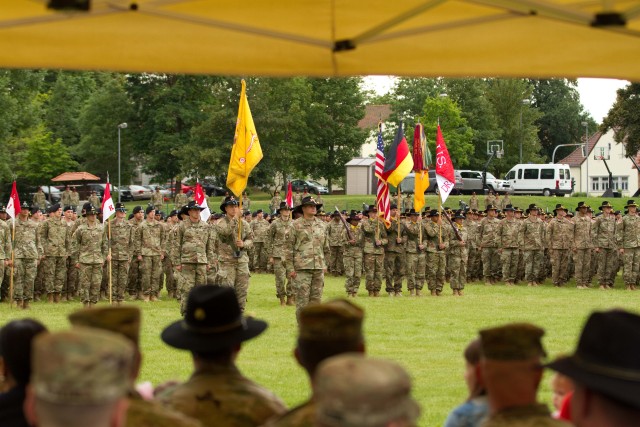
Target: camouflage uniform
(39,200)
(56,242)
(534,415)
(150,244)
(373,254)
(628,237)
(157,200)
(395,258)
(122,247)
(65,199)
(352,253)
(233,262)
(335,234)
(415,257)
(171,281)
(75,199)
(407,202)
(91,248)
(532,238)
(309,246)
(94,200)
(560,233)
(474,270)
(489,243)
(457,259)
(508,237)
(277,241)
(5,249)
(297,198)
(582,248)
(260,228)
(604,238)
(473,202)
(135,275)
(192,249)
(436,260)
(274,203)
(144,413)
(180,200)
(490,199)
(71,285)
(27,250)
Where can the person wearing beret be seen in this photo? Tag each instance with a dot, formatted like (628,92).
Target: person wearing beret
(217,393)
(27,254)
(56,242)
(91,250)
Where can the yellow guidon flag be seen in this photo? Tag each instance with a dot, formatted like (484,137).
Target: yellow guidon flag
(421,162)
(246,152)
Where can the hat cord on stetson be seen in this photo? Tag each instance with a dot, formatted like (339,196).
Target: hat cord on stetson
(607,370)
(214,329)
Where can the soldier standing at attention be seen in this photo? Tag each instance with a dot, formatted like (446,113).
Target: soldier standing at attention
(66,197)
(473,202)
(246,202)
(217,394)
(94,200)
(353,244)
(56,242)
(414,246)
(122,246)
(489,239)
(604,237)
(274,204)
(375,237)
(458,255)
(192,252)
(506,200)
(39,199)
(150,250)
(260,228)
(335,235)
(157,200)
(180,199)
(309,247)
(560,233)
(91,248)
(407,202)
(489,200)
(277,241)
(437,241)
(5,252)
(394,255)
(232,250)
(508,237)
(532,238)
(628,236)
(27,250)
(134,285)
(75,198)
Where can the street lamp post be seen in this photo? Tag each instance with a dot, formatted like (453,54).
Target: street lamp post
(120,126)
(524,102)
(586,144)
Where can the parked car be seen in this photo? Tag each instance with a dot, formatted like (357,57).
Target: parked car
(211,189)
(135,192)
(473,182)
(545,179)
(97,187)
(313,187)
(408,183)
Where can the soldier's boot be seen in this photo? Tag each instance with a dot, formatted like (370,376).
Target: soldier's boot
(530,284)
(291,300)
(412,292)
(50,298)
(370,293)
(153,298)
(398,293)
(392,294)
(145,298)
(376,294)
(438,293)
(282,301)
(18,303)
(25,304)
(56,297)
(433,293)
(171,294)
(85,304)
(139,296)
(460,293)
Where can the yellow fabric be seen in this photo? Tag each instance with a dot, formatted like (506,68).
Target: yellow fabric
(534,38)
(402,170)
(246,152)
(421,185)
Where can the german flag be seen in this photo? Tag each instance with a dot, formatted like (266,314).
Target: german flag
(398,161)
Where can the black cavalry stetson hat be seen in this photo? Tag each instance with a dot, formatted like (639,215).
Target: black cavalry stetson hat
(284,207)
(193,205)
(212,321)
(607,359)
(228,201)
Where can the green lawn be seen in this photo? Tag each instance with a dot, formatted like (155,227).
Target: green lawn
(426,335)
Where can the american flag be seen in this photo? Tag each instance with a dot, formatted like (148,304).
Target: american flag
(382,195)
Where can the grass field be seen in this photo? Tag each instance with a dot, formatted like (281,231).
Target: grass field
(426,335)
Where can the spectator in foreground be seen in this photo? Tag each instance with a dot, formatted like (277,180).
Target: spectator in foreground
(605,370)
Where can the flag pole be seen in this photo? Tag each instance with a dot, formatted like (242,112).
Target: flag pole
(440,219)
(240,220)
(13,238)
(110,264)
(399,207)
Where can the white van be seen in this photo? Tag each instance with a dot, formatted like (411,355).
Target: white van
(547,179)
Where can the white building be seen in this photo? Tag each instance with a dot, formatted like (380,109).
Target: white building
(591,171)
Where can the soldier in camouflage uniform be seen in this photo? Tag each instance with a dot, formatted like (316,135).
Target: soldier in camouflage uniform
(394,255)
(473,202)
(91,250)
(274,204)
(157,199)
(472,224)
(39,199)
(167,266)
(407,202)
(277,241)
(414,252)
(69,289)
(27,251)
(489,245)
(75,198)
(260,228)
(309,247)
(122,247)
(94,200)
(135,275)
(38,284)
(149,247)
(217,394)
(436,243)
(232,250)
(559,236)
(180,200)
(56,242)
(508,237)
(65,199)
(191,252)
(532,238)
(5,251)
(604,237)
(353,244)
(628,237)
(489,200)
(457,259)
(375,237)
(297,198)
(336,244)
(125,321)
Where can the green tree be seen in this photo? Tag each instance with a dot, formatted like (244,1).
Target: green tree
(44,157)
(624,119)
(407,99)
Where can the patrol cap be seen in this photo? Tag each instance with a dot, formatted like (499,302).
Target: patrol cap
(137,209)
(54,208)
(352,390)
(124,321)
(337,320)
(514,341)
(83,366)
(120,207)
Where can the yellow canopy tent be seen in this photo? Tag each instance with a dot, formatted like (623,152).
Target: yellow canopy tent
(533,38)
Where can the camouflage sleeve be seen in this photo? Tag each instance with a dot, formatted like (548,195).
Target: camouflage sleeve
(383,235)
(7,243)
(619,233)
(137,241)
(68,241)
(105,244)
(268,241)
(327,251)
(247,236)
(163,241)
(176,243)
(211,246)
(39,242)
(76,242)
(289,249)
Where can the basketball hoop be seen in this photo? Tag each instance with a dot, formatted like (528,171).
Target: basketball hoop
(596,157)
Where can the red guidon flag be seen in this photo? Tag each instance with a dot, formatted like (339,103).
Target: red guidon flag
(444,168)
(107,204)
(289,198)
(13,206)
(201,200)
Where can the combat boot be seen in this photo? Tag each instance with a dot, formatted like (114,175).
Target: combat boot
(398,293)
(433,293)
(438,293)
(18,303)
(139,296)
(56,297)
(50,298)
(25,304)
(370,293)
(153,298)
(460,293)
(292,301)
(412,292)
(85,304)
(392,294)
(418,292)
(376,294)
(145,298)
(282,301)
